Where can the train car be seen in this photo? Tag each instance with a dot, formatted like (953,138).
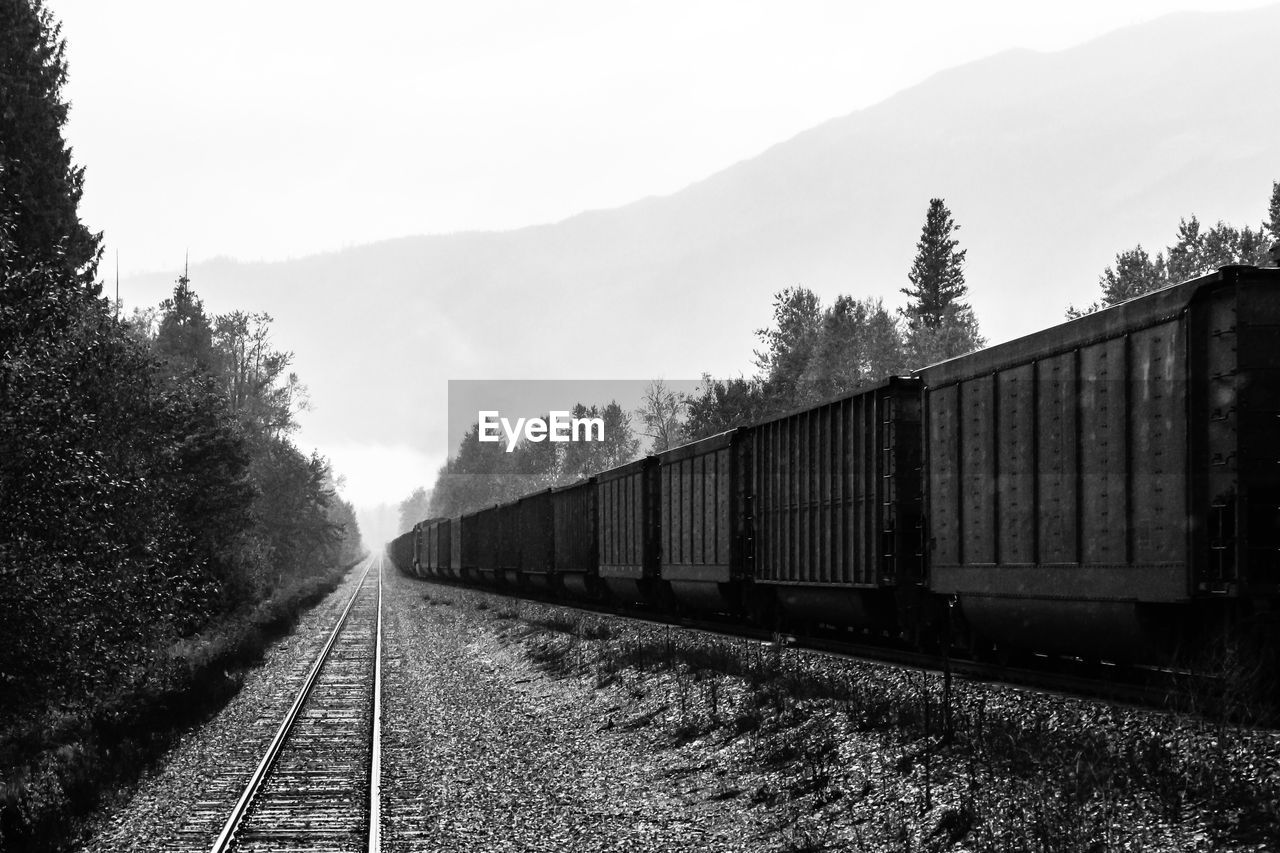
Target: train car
(400,551)
(628,531)
(836,510)
(507,553)
(704,521)
(1096,488)
(536,531)
(575,547)
(438,545)
(480,546)
(452,567)
(417,540)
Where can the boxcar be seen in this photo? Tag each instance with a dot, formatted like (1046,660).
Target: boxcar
(837,508)
(575,547)
(703,520)
(452,566)
(400,550)
(438,547)
(509,544)
(417,542)
(535,530)
(1096,486)
(627,526)
(480,545)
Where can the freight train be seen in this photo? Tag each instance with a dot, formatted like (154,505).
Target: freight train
(1107,489)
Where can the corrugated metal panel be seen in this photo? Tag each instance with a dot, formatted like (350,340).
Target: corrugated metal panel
(486,530)
(536,532)
(946,510)
(1058,438)
(1158,437)
(628,520)
(1257,388)
(702,509)
(455,545)
(978,469)
(824,510)
(507,523)
(576,537)
(1103,451)
(444,545)
(1016,461)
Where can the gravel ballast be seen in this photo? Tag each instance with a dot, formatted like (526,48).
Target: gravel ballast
(181,803)
(517,726)
(482,750)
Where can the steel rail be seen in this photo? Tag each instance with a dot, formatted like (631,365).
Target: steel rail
(223,842)
(375,764)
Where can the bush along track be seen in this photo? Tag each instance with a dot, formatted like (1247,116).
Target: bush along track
(834,754)
(62,772)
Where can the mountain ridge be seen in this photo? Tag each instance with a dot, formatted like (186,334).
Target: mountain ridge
(1051,162)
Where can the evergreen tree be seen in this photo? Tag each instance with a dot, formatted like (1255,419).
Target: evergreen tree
(956,334)
(40,189)
(185,336)
(1273,213)
(937,273)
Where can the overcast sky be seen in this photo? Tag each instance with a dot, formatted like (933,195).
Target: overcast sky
(271,130)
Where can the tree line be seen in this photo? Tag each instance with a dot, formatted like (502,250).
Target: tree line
(1195,250)
(150,489)
(811,352)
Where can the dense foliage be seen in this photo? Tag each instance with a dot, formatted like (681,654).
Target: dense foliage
(1195,251)
(151,495)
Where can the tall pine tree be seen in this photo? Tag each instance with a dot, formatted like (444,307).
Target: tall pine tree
(40,188)
(937,273)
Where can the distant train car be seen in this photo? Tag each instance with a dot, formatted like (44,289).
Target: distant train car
(575,547)
(628,531)
(1097,486)
(704,553)
(400,551)
(836,506)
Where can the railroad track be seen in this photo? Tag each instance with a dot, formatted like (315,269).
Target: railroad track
(316,786)
(1141,687)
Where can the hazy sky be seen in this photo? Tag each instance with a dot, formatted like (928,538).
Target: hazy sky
(271,130)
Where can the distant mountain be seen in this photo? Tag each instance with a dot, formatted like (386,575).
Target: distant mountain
(1051,163)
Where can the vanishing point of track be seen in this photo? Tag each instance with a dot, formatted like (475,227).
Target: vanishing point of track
(317,785)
